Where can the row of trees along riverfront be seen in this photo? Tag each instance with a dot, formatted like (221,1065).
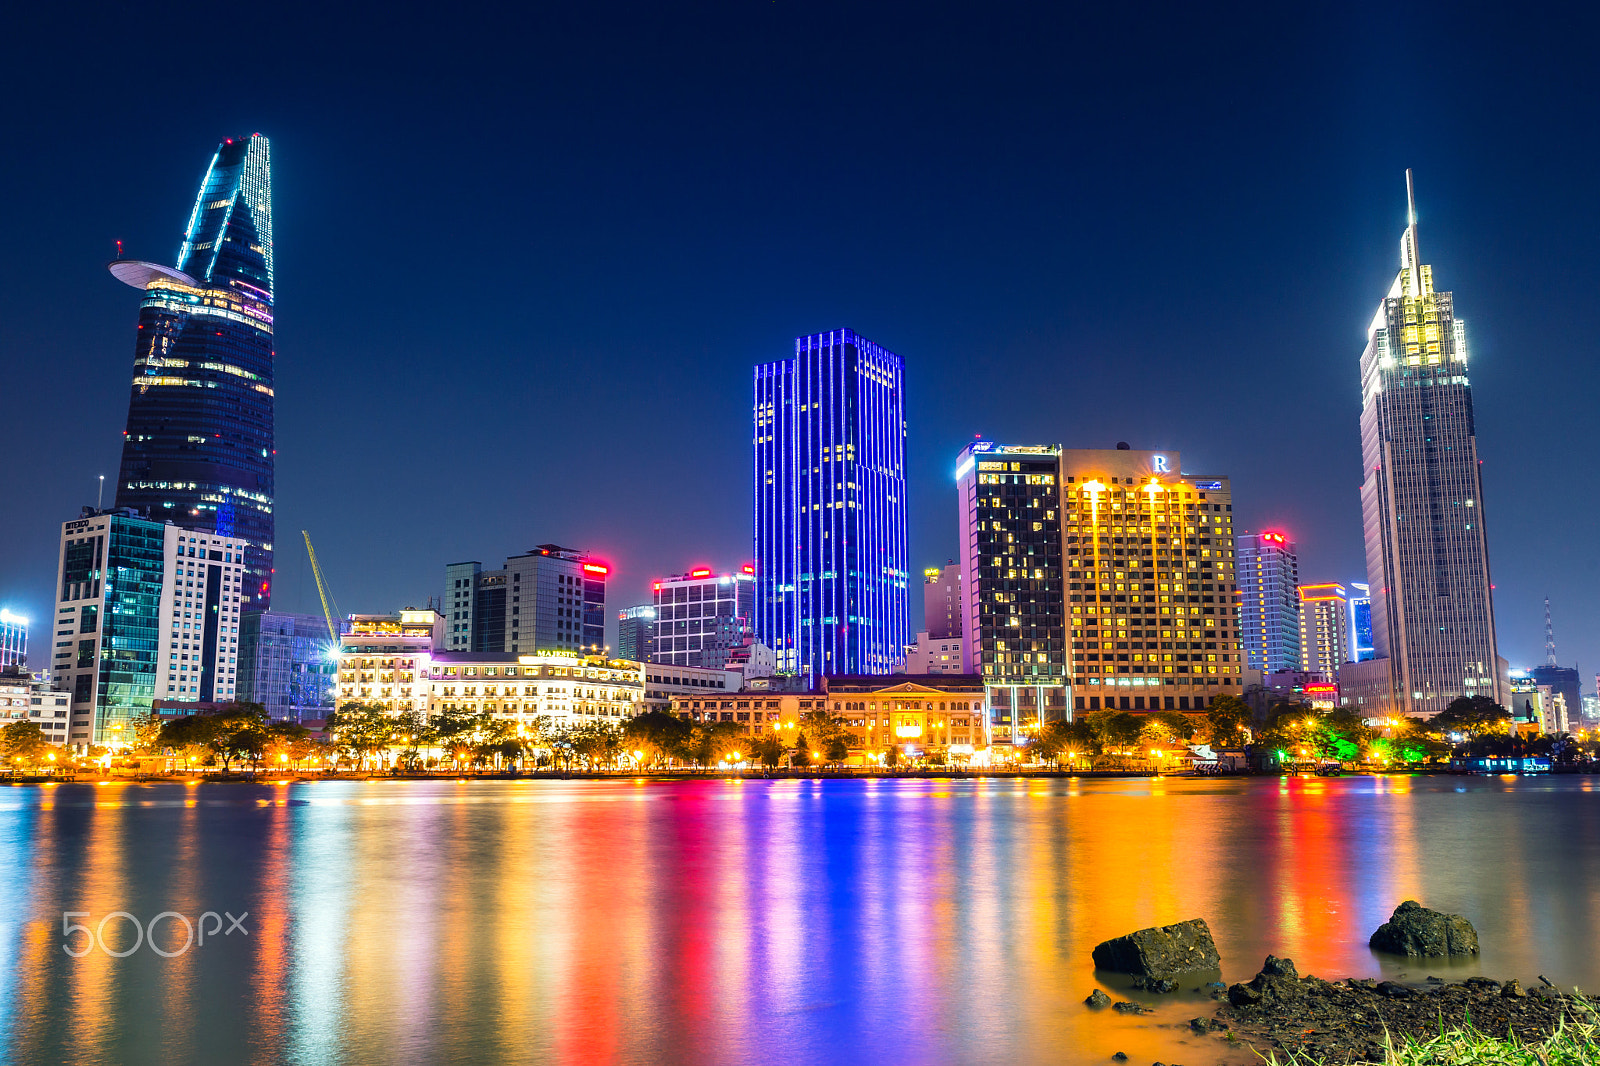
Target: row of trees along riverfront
(364,736)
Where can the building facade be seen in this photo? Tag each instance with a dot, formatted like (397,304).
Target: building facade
(199,450)
(912,714)
(1324,629)
(1422,499)
(1151,582)
(636,633)
(941,601)
(934,655)
(144,610)
(549,599)
(26,697)
(384,659)
(1537,707)
(702,616)
(1269,601)
(13,639)
(1012,582)
(553,690)
(289,664)
(830,507)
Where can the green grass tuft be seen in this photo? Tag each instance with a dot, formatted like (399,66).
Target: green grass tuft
(1572,1044)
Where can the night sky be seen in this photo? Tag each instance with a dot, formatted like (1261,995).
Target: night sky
(525,262)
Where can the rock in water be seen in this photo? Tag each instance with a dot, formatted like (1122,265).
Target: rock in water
(1098,999)
(1415,930)
(1164,951)
(1277,983)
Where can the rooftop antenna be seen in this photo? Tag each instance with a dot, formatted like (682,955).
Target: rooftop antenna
(1549,636)
(100,497)
(1415,265)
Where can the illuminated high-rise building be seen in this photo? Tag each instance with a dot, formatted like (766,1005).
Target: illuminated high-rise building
(549,598)
(13,639)
(1422,505)
(636,633)
(1151,586)
(1324,629)
(1269,601)
(701,616)
(830,507)
(198,450)
(150,611)
(1360,624)
(1012,584)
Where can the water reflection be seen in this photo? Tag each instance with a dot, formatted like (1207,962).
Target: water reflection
(736,921)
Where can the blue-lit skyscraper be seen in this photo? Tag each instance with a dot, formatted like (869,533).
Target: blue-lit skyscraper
(1361,624)
(830,507)
(198,450)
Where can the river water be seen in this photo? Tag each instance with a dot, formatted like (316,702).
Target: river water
(926,921)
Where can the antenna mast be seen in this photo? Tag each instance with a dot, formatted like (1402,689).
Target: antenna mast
(1549,636)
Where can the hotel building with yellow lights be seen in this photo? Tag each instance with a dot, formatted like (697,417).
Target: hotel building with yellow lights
(1151,586)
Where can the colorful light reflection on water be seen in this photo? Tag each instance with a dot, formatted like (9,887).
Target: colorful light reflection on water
(739,921)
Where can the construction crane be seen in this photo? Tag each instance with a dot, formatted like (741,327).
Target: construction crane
(330,609)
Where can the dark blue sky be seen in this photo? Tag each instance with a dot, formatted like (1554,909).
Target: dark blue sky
(526,261)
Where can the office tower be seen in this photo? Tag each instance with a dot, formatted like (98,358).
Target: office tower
(13,639)
(150,610)
(636,630)
(701,616)
(941,601)
(384,659)
(1422,504)
(830,507)
(1151,583)
(1324,636)
(1013,614)
(1360,624)
(551,598)
(1269,601)
(288,663)
(198,450)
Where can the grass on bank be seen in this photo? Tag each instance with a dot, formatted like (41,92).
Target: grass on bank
(1572,1044)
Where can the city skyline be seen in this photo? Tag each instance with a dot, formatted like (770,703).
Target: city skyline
(1021,295)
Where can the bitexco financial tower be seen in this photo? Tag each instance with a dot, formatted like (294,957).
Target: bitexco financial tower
(198,449)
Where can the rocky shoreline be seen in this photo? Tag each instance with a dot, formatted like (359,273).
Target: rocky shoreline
(1348,1021)
(1344,1021)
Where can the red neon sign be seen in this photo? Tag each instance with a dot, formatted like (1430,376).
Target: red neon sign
(748,569)
(595,568)
(700,573)
(1276,538)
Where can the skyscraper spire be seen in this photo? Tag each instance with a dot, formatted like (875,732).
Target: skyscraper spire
(1411,255)
(1549,636)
